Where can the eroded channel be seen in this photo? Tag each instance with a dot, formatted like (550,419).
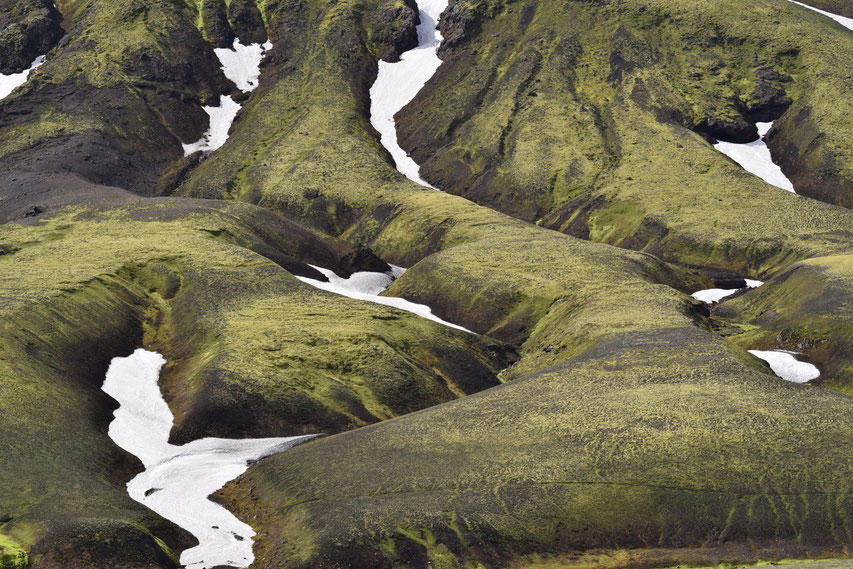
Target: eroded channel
(178,479)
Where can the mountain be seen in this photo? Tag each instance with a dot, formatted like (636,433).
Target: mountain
(583,410)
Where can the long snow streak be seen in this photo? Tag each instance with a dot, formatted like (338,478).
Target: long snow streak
(398,83)
(177,480)
(367,286)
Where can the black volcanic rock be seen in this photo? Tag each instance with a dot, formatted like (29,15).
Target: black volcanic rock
(738,131)
(246,21)
(768,103)
(216,27)
(398,32)
(29,28)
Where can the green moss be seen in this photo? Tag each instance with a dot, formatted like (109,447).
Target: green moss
(589,106)
(647,439)
(246,343)
(12,554)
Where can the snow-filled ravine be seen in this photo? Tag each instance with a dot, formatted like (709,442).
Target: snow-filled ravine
(242,65)
(755,158)
(9,83)
(398,83)
(787,366)
(178,479)
(368,285)
(713,295)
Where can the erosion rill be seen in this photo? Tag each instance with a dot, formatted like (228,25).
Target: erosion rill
(618,342)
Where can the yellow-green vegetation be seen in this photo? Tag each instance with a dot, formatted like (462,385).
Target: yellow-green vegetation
(12,554)
(675,558)
(626,422)
(640,180)
(807,308)
(117,96)
(648,439)
(580,116)
(251,350)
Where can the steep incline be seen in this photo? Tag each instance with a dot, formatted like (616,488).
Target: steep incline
(585,117)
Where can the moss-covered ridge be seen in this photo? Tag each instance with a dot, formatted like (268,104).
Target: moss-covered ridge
(580,116)
(648,439)
(252,351)
(110,106)
(304,145)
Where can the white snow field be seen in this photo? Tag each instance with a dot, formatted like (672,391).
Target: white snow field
(398,83)
(9,83)
(846,22)
(785,365)
(712,295)
(755,158)
(221,118)
(241,64)
(367,286)
(177,480)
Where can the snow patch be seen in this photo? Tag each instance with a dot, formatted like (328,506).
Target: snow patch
(177,480)
(9,83)
(367,286)
(755,158)
(846,22)
(785,365)
(398,83)
(221,119)
(712,295)
(242,65)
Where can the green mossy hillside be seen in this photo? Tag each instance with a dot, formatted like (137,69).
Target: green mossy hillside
(251,351)
(656,439)
(304,146)
(625,422)
(112,103)
(807,308)
(580,117)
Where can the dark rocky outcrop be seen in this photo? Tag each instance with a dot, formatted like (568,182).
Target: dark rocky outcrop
(246,21)
(738,131)
(28,28)
(214,15)
(397,30)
